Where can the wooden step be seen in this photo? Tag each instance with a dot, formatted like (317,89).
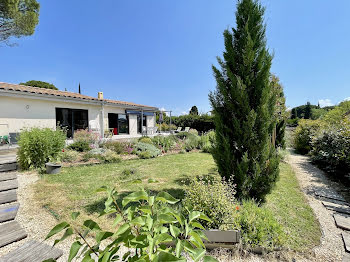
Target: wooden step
(7,176)
(11,232)
(8,167)
(8,196)
(336,207)
(9,184)
(8,213)
(346,240)
(329,195)
(32,251)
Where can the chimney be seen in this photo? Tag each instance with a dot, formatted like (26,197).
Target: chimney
(100,95)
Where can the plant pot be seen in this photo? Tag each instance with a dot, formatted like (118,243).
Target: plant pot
(53,168)
(220,238)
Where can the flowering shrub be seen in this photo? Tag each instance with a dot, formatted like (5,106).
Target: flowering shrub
(80,146)
(165,143)
(37,146)
(215,198)
(206,141)
(68,155)
(116,146)
(145,139)
(86,136)
(146,223)
(192,142)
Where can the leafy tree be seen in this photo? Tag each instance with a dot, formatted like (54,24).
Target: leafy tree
(293,113)
(18,18)
(40,84)
(244,106)
(194,111)
(307,114)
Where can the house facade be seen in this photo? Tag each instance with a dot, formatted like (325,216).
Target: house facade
(25,107)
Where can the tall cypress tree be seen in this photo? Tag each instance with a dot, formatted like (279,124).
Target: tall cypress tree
(244,105)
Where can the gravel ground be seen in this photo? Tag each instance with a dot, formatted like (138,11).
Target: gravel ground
(311,180)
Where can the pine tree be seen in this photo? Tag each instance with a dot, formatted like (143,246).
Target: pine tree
(307,114)
(194,111)
(244,105)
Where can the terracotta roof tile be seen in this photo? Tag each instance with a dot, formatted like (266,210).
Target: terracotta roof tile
(58,93)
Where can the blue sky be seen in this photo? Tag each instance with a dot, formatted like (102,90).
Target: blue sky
(160,52)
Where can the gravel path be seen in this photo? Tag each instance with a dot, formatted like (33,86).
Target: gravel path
(311,180)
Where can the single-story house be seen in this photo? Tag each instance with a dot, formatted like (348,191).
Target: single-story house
(24,107)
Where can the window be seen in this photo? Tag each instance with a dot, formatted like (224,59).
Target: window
(72,119)
(119,123)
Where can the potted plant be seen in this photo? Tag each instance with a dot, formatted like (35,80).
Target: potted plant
(53,166)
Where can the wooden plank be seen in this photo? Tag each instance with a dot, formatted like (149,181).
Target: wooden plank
(339,202)
(8,167)
(330,195)
(346,240)
(32,251)
(8,213)
(338,208)
(11,232)
(8,196)
(9,184)
(218,236)
(342,221)
(8,176)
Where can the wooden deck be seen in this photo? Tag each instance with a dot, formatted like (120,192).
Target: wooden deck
(11,232)
(8,212)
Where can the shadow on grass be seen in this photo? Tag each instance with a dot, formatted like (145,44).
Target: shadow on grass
(99,205)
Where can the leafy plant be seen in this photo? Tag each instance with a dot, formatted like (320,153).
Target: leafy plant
(37,146)
(145,150)
(110,157)
(206,142)
(304,134)
(84,135)
(128,172)
(165,143)
(192,142)
(80,146)
(215,198)
(116,146)
(68,155)
(147,226)
(258,226)
(145,139)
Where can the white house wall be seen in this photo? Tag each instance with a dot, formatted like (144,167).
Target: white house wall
(19,113)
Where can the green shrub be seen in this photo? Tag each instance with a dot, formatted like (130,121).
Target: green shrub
(292,122)
(145,139)
(145,228)
(166,127)
(215,198)
(116,146)
(145,150)
(128,172)
(183,135)
(110,157)
(38,146)
(191,142)
(165,143)
(80,146)
(304,134)
(331,148)
(68,156)
(206,142)
(258,226)
(193,131)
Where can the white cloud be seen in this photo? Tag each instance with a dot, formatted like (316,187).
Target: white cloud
(347,99)
(325,102)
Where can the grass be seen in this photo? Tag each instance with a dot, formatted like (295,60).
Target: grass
(74,190)
(291,209)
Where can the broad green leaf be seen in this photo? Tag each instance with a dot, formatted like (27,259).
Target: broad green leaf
(166,219)
(164,256)
(166,197)
(151,180)
(149,222)
(122,229)
(194,215)
(102,235)
(117,220)
(106,256)
(134,197)
(198,254)
(179,247)
(138,221)
(74,250)
(197,239)
(151,200)
(204,217)
(67,233)
(125,256)
(197,225)
(175,231)
(163,238)
(209,259)
(58,228)
(75,215)
(91,225)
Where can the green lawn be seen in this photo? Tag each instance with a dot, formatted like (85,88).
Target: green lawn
(74,190)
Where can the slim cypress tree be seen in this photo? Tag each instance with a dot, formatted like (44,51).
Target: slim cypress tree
(244,105)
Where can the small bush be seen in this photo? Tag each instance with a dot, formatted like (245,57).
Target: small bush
(151,151)
(192,142)
(116,146)
(165,143)
(206,142)
(193,131)
(68,156)
(304,134)
(80,146)
(183,135)
(145,139)
(110,157)
(258,226)
(128,172)
(166,127)
(98,151)
(86,136)
(215,198)
(38,146)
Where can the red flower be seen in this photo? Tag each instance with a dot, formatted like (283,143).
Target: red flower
(63,150)
(237,208)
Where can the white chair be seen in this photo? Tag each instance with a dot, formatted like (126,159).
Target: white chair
(187,129)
